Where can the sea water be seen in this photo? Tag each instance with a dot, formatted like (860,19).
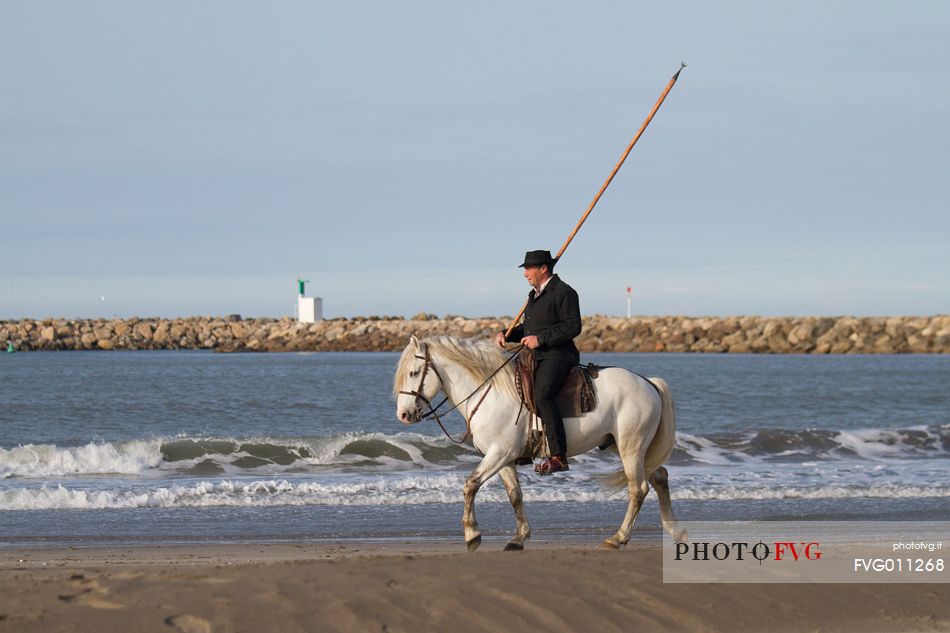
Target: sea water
(146,447)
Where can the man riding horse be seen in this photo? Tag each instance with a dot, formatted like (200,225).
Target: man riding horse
(552,319)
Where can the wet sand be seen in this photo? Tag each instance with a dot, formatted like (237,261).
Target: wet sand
(431,586)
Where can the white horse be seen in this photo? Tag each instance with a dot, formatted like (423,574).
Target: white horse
(634,413)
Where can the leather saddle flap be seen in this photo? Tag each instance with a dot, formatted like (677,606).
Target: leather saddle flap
(577,396)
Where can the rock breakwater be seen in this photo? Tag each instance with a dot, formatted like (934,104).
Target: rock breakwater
(768,335)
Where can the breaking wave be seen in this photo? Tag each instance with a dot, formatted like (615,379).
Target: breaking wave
(381,452)
(781,445)
(217,456)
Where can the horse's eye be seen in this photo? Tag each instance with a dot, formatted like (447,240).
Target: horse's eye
(414,373)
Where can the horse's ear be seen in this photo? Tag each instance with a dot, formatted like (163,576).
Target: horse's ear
(414,341)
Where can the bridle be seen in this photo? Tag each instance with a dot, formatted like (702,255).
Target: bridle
(418,393)
(433,412)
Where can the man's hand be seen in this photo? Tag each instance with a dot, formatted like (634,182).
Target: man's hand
(500,340)
(531,342)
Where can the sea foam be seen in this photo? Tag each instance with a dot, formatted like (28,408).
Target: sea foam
(433,488)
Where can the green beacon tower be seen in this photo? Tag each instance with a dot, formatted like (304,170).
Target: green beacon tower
(309,309)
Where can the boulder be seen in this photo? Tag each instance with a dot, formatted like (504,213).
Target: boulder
(841,346)
(917,345)
(143,331)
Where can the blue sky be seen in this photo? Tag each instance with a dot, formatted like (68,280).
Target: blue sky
(185,158)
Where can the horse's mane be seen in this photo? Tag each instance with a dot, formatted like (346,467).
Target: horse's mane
(478,357)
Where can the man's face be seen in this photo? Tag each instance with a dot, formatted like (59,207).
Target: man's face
(535,275)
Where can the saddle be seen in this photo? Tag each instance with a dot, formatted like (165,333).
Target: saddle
(577,395)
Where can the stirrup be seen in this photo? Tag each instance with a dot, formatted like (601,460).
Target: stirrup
(554,464)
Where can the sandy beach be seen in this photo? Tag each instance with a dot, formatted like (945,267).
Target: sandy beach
(431,586)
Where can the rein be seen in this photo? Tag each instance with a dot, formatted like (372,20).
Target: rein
(433,413)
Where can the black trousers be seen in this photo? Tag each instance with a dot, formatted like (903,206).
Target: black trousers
(549,376)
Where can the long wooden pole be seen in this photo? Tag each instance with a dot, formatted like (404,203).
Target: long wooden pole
(607,182)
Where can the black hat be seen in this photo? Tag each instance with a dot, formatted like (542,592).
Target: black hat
(538,258)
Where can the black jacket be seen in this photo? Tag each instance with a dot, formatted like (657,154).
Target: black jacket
(555,318)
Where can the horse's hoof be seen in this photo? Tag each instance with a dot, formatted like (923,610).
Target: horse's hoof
(514,547)
(474,543)
(608,544)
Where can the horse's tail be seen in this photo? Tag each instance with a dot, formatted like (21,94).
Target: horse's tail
(661,446)
(664,440)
